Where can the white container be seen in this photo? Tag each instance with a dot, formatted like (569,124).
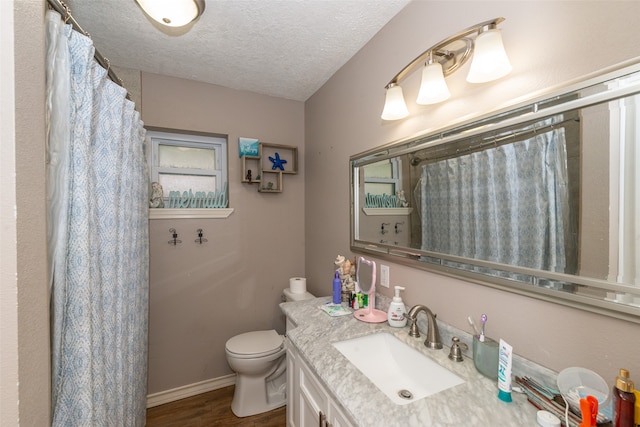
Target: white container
(397,314)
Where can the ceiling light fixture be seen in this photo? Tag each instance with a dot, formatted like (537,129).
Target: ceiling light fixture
(490,62)
(173,13)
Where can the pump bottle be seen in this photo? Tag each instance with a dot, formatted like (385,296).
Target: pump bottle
(623,401)
(397,314)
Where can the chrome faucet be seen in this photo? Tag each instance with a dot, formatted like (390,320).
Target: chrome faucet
(433,334)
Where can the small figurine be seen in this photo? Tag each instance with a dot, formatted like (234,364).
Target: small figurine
(249,175)
(347,272)
(156,200)
(402,200)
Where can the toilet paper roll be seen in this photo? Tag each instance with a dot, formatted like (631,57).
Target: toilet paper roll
(298,285)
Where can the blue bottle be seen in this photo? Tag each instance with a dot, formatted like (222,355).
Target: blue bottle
(337,289)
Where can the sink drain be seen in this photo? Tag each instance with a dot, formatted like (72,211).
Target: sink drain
(405,394)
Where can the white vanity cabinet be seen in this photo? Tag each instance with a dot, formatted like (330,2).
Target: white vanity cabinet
(309,404)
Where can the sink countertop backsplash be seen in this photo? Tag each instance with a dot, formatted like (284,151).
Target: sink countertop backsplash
(473,403)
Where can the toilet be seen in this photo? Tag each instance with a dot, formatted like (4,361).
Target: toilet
(259,360)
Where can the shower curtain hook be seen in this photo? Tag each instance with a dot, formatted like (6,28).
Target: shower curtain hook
(67,12)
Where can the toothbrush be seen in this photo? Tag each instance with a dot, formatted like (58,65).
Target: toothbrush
(473,325)
(483,318)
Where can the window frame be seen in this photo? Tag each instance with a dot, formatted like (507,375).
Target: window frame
(217,143)
(395,180)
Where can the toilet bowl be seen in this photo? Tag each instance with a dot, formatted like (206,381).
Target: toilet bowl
(259,360)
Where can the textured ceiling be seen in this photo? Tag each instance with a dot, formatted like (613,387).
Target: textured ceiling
(283,48)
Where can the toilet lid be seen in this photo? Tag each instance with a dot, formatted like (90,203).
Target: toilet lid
(255,342)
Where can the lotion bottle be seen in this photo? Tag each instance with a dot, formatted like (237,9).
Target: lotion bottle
(623,401)
(397,314)
(337,288)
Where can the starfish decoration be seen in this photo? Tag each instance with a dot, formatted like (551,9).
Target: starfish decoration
(278,163)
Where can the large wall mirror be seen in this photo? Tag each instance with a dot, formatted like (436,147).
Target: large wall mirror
(541,199)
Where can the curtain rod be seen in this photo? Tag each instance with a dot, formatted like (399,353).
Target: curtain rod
(496,141)
(65,12)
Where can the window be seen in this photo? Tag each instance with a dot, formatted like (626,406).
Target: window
(382,181)
(187,162)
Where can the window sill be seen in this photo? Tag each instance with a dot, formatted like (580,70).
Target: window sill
(189,213)
(387,211)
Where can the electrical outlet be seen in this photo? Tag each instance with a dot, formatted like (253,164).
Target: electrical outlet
(384,275)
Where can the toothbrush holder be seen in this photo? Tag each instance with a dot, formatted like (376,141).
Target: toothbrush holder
(485,356)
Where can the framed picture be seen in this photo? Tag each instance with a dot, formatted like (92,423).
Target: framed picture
(248,147)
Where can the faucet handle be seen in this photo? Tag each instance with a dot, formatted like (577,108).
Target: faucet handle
(456,353)
(413,330)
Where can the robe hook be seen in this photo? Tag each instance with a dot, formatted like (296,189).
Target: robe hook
(174,234)
(200,239)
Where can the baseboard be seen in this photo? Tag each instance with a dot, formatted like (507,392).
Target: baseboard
(189,390)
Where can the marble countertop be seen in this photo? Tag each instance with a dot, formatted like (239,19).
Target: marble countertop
(474,403)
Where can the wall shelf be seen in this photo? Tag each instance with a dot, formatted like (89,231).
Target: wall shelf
(161,213)
(251,163)
(387,211)
(269,180)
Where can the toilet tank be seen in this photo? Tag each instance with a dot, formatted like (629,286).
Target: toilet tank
(288,296)
(296,296)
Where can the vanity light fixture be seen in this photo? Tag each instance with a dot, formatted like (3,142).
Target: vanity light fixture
(490,62)
(433,88)
(394,106)
(172,13)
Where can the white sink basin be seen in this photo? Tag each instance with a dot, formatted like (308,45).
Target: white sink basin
(394,367)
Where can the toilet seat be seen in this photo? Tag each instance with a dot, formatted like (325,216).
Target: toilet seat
(255,344)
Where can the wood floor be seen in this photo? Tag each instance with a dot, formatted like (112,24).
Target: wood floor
(210,409)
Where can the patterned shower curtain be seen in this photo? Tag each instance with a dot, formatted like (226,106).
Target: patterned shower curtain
(98,239)
(507,204)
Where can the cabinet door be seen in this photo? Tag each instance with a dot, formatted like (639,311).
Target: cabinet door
(293,388)
(307,399)
(337,417)
(313,398)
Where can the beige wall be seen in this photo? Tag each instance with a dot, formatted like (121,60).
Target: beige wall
(9,385)
(202,295)
(24,361)
(549,43)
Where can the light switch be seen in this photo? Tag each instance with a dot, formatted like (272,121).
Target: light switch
(384,275)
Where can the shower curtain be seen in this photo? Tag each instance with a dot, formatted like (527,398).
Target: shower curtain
(507,204)
(97,214)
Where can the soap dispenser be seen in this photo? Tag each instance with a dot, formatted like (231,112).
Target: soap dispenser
(397,314)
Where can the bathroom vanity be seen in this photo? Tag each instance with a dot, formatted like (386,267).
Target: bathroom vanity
(325,388)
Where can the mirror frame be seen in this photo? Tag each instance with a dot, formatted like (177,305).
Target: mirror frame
(550,102)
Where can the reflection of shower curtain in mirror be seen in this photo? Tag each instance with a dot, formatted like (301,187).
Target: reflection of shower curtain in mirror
(507,204)
(97,207)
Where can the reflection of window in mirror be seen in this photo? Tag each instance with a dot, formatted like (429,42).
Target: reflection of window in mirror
(383,177)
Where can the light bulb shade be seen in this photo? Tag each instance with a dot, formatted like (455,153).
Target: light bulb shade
(394,106)
(433,88)
(490,61)
(173,13)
